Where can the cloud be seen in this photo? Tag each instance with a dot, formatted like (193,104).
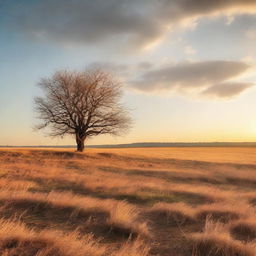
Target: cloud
(214,79)
(226,90)
(189,75)
(137,22)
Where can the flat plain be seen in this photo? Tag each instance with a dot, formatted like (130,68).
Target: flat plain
(128,202)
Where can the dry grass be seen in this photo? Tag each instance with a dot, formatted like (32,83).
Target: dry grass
(128,202)
(16,239)
(215,240)
(219,245)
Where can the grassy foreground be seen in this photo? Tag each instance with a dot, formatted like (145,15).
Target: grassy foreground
(128,202)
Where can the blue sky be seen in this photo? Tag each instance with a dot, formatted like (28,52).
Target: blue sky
(188,70)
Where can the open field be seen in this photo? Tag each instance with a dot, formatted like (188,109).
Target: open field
(128,202)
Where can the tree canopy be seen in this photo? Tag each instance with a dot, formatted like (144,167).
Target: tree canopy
(83,104)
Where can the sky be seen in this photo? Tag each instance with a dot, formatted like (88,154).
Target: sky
(188,67)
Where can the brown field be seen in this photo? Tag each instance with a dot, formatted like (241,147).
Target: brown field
(128,202)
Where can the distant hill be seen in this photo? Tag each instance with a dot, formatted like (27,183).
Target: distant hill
(178,144)
(154,144)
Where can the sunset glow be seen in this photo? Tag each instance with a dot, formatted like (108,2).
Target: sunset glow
(188,69)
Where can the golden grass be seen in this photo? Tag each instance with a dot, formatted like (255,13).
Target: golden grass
(219,245)
(128,202)
(216,241)
(16,239)
(241,155)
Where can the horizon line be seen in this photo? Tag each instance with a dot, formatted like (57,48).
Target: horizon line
(145,144)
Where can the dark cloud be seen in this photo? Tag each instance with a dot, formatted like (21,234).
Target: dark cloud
(189,75)
(214,79)
(226,90)
(92,21)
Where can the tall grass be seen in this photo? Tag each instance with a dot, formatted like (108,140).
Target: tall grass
(128,202)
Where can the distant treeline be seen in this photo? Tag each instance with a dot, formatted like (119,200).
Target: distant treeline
(155,144)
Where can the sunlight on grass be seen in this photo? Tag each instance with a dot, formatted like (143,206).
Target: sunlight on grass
(115,202)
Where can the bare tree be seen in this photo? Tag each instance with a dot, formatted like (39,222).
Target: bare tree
(83,104)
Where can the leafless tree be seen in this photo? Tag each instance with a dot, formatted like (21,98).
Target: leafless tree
(83,104)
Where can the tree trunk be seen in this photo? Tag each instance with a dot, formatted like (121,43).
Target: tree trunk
(80,143)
